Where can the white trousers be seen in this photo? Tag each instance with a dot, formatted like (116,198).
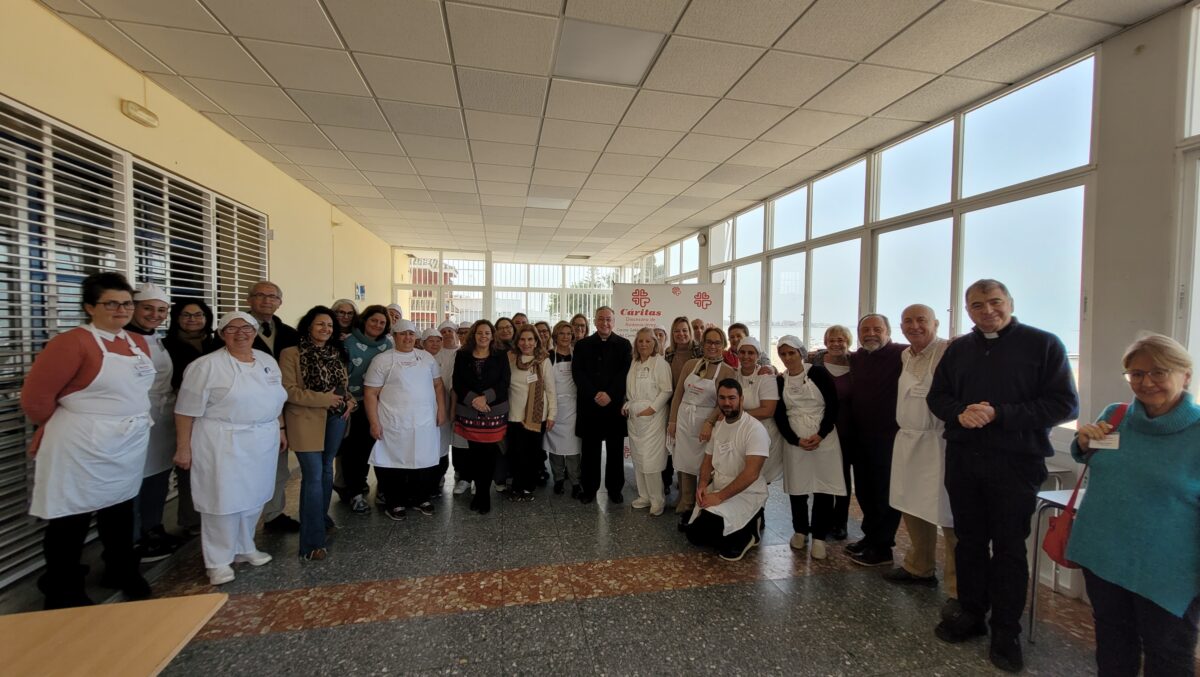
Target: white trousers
(649,486)
(223,536)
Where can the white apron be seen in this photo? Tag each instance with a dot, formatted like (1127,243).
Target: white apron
(698,402)
(647,434)
(235,444)
(809,472)
(561,439)
(161,450)
(728,463)
(408,416)
(919,455)
(773,469)
(94,448)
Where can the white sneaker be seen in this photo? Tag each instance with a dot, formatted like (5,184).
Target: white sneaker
(256,558)
(799,541)
(818,549)
(220,575)
(640,503)
(656,509)
(735,555)
(461,487)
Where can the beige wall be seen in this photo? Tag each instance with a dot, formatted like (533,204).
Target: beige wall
(54,69)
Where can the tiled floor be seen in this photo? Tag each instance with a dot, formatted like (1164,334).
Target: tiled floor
(556,587)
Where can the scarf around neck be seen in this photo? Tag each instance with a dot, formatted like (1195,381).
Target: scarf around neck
(535,404)
(321,368)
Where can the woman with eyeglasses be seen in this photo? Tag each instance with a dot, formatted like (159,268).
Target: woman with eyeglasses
(694,400)
(88,393)
(543,330)
(580,325)
(1137,532)
(317,411)
(505,331)
(229,433)
(345,312)
(189,335)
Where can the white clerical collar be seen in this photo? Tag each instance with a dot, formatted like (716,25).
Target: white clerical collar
(991,334)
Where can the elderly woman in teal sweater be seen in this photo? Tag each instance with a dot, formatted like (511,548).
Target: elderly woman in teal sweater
(1144,583)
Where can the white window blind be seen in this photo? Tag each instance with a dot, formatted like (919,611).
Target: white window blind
(172,236)
(241,253)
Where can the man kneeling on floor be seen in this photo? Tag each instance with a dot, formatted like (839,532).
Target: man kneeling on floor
(731,492)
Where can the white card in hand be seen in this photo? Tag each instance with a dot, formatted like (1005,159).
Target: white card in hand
(1109,441)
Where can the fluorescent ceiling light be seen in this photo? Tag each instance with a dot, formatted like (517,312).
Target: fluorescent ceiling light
(588,51)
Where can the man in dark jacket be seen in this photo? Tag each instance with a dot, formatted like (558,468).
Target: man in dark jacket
(874,377)
(600,365)
(1000,389)
(274,335)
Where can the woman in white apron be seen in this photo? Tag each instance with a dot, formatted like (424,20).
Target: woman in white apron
(405,403)
(694,400)
(435,345)
(532,407)
(88,393)
(230,432)
(812,455)
(647,391)
(560,441)
(681,348)
(154,543)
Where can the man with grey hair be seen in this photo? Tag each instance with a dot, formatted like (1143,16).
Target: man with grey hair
(1000,390)
(599,366)
(263,299)
(874,373)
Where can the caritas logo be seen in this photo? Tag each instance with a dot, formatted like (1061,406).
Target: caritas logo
(641,297)
(702,300)
(676,291)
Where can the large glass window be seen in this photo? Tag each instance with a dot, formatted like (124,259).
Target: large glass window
(723,278)
(545,275)
(834,289)
(1037,130)
(748,236)
(839,200)
(543,306)
(1035,247)
(720,247)
(787,300)
(673,260)
(510,275)
(507,303)
(690,254)
(463,306)
(464,269)
(912,265)
(748,303)
(790,218)
(917,173)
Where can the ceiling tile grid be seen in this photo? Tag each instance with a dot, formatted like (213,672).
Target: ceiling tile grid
(470,123)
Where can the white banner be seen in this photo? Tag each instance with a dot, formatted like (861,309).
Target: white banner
(651,305)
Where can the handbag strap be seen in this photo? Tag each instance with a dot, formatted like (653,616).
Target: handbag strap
(1114,419)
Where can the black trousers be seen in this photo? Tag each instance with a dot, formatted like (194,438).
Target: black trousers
(872,482)
(62,546)
(458,459)
(841,504)
(822,515)
(668,474)
(1129,625)
(525,456)
(614,464)
(481,465)
(355,455)
(993,496)
(405,487)
(707,532)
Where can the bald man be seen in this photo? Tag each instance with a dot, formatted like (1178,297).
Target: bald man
(919,459)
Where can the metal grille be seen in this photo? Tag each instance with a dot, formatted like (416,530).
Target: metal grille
(172,235)
(241,253)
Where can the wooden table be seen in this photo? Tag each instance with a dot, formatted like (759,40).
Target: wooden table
(128,639)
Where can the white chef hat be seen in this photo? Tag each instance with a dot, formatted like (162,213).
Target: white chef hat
(448,324)
(793,341)
(464,325)
(236,315)
(403,326)
(148,291)
(659,327)
(431,333)
(751,341)
(396,307)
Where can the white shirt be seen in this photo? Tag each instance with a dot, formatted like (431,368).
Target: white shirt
(518,390)
(731,444)
(381,366)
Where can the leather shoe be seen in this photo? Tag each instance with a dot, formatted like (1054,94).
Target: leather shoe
(616,498)
(960,627)
(904,576)
(283,525)
(838,534)
(857,547)
(1006,654)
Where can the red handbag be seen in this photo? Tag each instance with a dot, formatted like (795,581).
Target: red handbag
(1058,530)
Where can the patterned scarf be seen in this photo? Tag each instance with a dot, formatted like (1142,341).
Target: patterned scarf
(536,402)
(321,368)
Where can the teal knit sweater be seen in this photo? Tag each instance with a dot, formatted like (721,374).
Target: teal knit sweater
(1138,525)
(361,351)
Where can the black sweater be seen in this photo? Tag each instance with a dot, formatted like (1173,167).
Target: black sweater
(824,382)
(493,384)
(874,381)
(1023,374)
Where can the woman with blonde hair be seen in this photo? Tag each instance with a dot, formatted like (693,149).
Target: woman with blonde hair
(647,391)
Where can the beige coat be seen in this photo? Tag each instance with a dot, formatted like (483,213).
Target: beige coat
(305,411)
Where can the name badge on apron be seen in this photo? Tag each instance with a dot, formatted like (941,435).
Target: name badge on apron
(144,367)
(273,377)
(644,372)
(1109,441)
(696,388)
(531,377)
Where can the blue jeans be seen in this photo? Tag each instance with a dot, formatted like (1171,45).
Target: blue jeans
(316,486)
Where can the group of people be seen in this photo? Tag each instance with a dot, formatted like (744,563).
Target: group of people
(944,435)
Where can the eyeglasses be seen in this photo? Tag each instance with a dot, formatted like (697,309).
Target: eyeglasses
(268,297)
(1156,375)
(714,343)
(191,316)
(244,330)
(344,313)
(114,305)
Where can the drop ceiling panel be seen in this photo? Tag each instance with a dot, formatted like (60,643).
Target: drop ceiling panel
(732,22)
(409,80)
(288,133)
(768,154)
(108,37)
(810,127)
(364,140)
(493,152)
(501,40)
(503,173)
(667,110)
(343,111)
(501,92)
(1047,40)
(331,176)
(566,159)
(551,7)
(502,127)
(313,68)
(443,168)
(297,21)
(741,119)
(435,147)
(659,15)
(689,170)
(236,129)
(702,67)
(319,157)
(938,98)
(739,174)
(184,91)
(612,182)
(636,141)
(415,118)
(408,28)
(870,133)
(866,89)
(788,79)
(204,55)
(177,14)
(851,30)
(625,165)
(394,180)
(254,100)
(587,102)
(960,29)
(451,184)
(577,135)
(707,148)
(1122,12)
